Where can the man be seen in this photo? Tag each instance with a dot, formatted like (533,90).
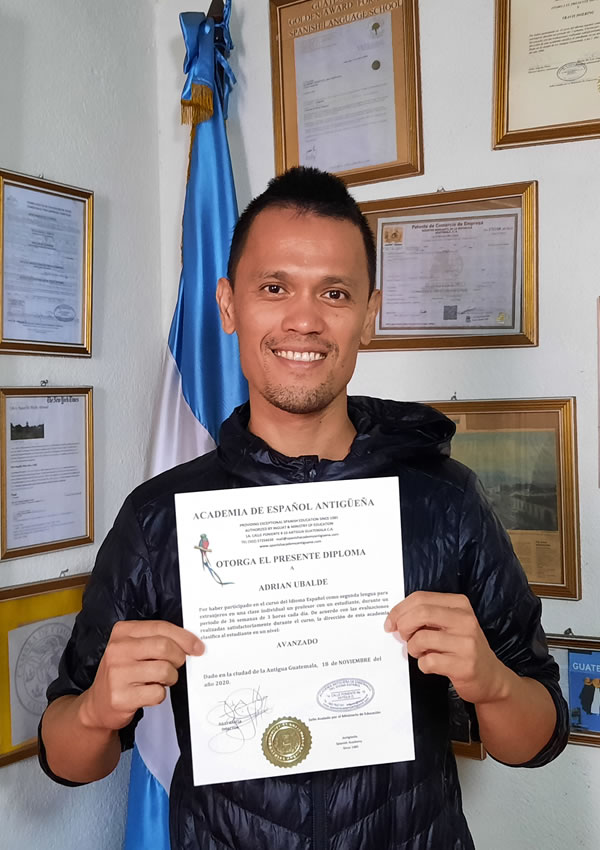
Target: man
(300,295)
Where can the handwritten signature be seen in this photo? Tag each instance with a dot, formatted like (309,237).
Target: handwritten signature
(237,718)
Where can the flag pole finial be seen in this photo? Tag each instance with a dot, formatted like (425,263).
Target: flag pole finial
(216,10)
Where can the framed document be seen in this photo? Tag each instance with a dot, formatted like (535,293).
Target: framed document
(35,624)
(547,76)
(457,269)
(46,452)
(524,451)
(579,662)
(45,267)
(346,88)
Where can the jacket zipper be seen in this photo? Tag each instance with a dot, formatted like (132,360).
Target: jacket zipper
(310,468)
(319,807)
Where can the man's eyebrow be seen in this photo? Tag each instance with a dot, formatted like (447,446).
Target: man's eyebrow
(335,280)
(328,280)
(274,275)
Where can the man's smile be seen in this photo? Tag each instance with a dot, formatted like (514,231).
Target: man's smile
(304,356)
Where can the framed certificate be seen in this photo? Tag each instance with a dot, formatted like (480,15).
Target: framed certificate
(524,451)
(35,624)
(457,269)
(547,74)
(45,267)
(46,451)
(346,88)
(579,662)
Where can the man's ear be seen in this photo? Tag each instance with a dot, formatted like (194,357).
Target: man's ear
(225,302)
(368,328)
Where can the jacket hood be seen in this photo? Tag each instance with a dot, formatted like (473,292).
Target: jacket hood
(386,431)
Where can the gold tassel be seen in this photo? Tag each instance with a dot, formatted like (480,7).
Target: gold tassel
(199,108)
(189,168)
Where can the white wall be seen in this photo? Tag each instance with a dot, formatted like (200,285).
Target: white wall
(78,105)
(554,808)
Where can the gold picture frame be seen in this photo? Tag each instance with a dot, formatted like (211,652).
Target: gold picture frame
(579,659)
(544,87)
(35,624)
(533,487)
(457,269)
(46,249)
(358,67)
(47,476)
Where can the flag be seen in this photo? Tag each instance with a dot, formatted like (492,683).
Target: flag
(202,379)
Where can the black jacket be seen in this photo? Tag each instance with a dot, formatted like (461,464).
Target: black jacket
(452,542)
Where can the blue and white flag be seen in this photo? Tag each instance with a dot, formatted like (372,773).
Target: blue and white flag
(202,380)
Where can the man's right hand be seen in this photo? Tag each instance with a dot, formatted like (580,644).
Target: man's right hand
(140,661)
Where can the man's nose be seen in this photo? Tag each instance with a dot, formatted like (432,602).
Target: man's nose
(303,314)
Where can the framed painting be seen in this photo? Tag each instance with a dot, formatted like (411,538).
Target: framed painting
(524,451)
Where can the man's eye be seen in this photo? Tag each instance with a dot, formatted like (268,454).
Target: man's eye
(336,294)
(273,289)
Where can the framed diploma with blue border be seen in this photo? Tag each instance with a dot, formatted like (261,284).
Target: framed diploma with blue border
(346,87)
(35,624)
(45,267)
(579,661)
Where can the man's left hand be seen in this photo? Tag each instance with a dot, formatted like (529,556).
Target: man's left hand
(442,632)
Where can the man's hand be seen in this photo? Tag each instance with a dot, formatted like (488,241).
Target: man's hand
(442,632)
(140,661)
(516,714)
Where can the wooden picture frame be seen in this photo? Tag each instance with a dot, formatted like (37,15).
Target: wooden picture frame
(335,76)
(457,269)
(546,82)
(47,475)
(533,487)
(46,248)
(579,660)
(35,624)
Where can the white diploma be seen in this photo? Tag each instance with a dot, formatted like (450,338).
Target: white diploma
(554,65)
(34,652)
(289,588)
(450,273)
(46,471)
(43,266)
(345,96)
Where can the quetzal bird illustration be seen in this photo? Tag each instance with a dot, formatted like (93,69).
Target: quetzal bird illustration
(204,548)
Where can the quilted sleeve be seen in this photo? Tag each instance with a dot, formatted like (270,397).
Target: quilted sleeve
(120,588)
(508,611)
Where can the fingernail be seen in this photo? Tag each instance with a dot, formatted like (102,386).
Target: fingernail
(198,647)
(388,625)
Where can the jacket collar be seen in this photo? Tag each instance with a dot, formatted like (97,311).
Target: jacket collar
(386,432)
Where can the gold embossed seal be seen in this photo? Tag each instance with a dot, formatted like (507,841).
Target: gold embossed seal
(286,742)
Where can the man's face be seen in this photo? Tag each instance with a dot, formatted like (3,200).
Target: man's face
(300,307)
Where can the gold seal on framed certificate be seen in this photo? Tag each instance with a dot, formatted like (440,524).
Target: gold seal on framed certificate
(286,742)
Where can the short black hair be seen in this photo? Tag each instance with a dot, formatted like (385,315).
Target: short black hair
(307,190)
